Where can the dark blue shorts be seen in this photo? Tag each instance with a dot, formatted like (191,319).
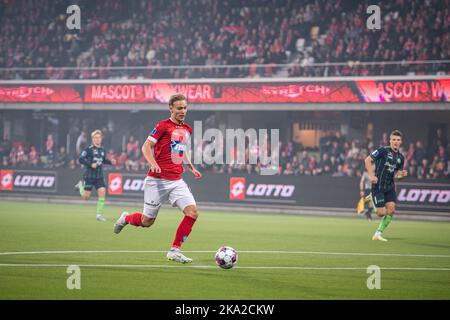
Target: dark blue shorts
(97,183)
(380,198)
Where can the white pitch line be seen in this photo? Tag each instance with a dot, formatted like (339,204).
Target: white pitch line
(212,267)
(241,251)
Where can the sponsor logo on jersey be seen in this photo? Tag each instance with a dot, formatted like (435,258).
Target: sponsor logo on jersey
(178,143)
(98,161)
(178,147)
(390,167)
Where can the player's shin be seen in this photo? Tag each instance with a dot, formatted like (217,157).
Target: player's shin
(384,223)
(134,219)
(183,231)
(100,205)
(81,189)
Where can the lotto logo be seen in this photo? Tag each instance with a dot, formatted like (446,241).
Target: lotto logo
(115,183)
(134,185)
(237,188)
(6,179)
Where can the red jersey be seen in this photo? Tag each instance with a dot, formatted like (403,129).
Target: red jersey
(170,145)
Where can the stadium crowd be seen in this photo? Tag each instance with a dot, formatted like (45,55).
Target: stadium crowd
(256,33)
(336,156)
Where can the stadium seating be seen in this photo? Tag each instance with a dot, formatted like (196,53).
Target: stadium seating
(153,34)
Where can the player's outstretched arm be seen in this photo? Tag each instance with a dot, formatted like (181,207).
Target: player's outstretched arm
(149,155)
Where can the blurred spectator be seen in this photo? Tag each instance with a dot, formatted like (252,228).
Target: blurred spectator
(107,138)
(81,143)
(49,153)
(121,160)
(288,170)
(132,146)
(61,158)
(5,150)
(49,146)
(422,170)
(33,157)
(384,139)
(419,152)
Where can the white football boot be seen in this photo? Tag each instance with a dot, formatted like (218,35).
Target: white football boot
(78,185)
(175,254)
(120,223)
(377,237)
(100,217)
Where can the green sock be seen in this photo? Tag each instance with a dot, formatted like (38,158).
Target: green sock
(81,189)
(384,223)
(100,205)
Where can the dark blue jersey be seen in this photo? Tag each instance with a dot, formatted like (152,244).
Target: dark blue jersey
(90,155)
(387,162)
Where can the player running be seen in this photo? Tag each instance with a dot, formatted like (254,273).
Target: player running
(164,150)
(93,157)
(388,166)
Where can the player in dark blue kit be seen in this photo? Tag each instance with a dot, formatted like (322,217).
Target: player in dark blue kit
(93,157)
(388,166)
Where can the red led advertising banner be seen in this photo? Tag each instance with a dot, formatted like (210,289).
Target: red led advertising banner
(40,93)
(359,91)
(404,91)
(225,93)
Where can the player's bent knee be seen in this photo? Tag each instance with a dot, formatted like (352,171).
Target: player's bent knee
(390,211)
(381,212)
(191,211)
(147,222)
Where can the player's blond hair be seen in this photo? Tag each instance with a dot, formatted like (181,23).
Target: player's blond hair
(96,132)
(176,97)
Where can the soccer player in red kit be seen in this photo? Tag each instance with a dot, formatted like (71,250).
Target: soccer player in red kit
(165,151)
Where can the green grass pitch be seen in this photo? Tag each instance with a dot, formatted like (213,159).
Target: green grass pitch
(280,256)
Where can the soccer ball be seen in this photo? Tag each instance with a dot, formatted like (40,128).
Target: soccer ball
(226,257)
